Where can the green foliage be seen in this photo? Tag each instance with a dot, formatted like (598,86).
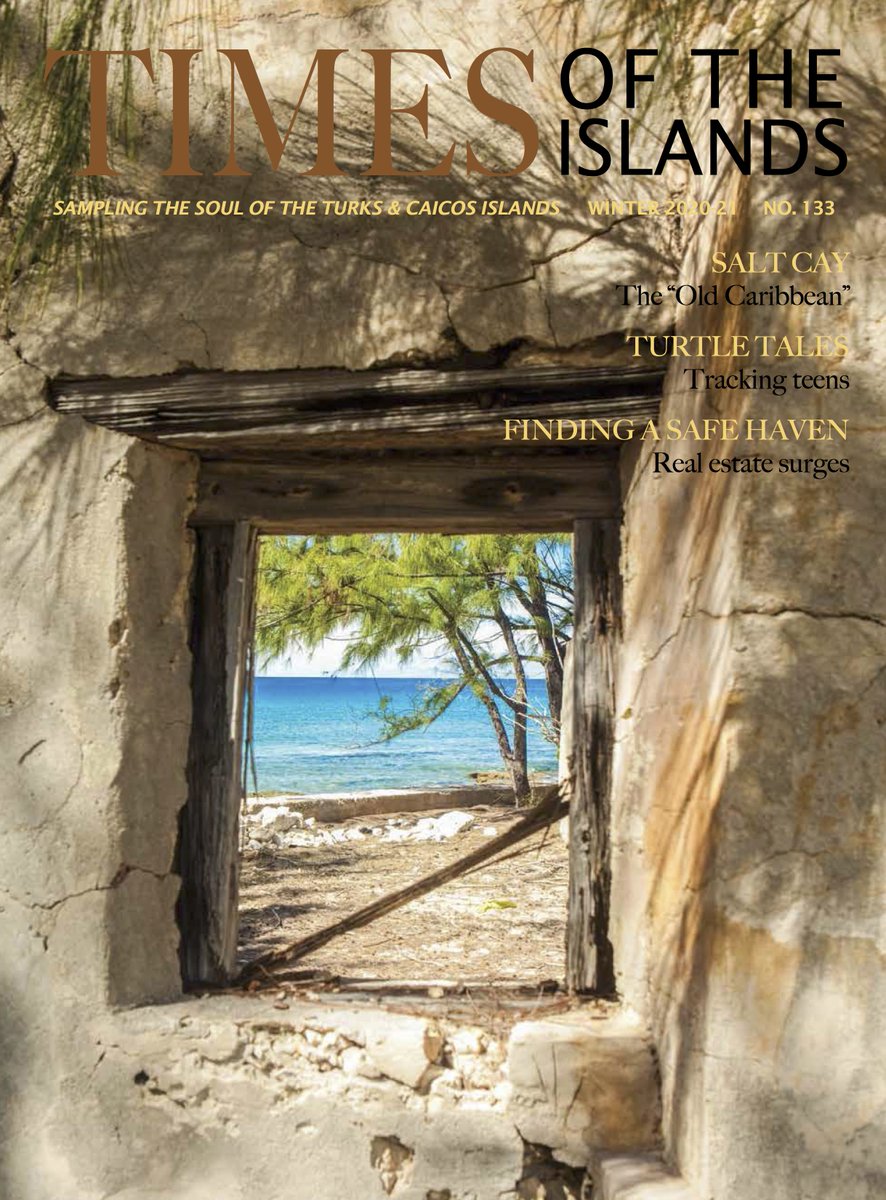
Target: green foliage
(432,701)
(52,122)
(404,593)
(486,605)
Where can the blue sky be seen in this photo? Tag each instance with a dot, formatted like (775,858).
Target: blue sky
(325,660)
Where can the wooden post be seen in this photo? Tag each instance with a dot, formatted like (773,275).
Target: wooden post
(208,851)
(589,961)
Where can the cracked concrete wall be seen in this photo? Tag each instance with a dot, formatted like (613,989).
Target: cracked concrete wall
(95,715)
(748,871)
(744,870)
(394,288)
(94,625)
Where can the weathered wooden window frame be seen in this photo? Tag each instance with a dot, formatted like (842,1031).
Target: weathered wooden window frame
(408,450)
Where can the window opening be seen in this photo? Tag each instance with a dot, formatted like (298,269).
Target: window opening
(404,706)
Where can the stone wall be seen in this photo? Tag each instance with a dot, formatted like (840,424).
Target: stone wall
(748,828)
(96,712)
(745,873)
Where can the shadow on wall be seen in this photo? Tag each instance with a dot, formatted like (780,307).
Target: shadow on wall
(314,291)
(49,476)
(19,1062)
(762,829)
(263,293)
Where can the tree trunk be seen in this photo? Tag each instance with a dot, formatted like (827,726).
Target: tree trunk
(550,654)
(520,779)
(515,765)
(519,756)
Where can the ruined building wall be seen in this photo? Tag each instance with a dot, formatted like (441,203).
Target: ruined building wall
(96,712)
(183,1103)
(748,872)
(745,877)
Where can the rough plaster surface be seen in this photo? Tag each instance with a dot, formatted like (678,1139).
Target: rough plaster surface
(637,1177)
(748,870)
(245,293)
(301,1101)
(747,881)
(571,1091)
(95,712)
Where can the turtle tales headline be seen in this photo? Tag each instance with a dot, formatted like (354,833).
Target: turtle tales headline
(591,142)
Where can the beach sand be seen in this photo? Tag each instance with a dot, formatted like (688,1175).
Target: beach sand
(503,924)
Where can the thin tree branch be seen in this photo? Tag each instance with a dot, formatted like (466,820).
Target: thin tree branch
(546,813)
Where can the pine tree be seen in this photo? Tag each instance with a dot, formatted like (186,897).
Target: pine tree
(488,605)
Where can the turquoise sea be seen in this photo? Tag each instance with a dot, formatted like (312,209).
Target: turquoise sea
(319,735)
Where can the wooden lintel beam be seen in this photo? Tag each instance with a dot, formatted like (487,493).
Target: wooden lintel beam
(468,494)
(259,392)
(432,425)
(226,415)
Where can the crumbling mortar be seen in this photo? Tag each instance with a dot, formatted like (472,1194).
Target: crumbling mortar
(209,1113)
(297,1057)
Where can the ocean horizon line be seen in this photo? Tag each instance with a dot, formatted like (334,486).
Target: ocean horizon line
(325,733)
(391,678)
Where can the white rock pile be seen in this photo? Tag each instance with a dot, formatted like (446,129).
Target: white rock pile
(278,827)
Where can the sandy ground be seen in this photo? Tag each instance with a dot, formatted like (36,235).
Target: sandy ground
(504,924)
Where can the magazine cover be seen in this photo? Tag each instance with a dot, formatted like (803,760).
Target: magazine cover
(442,609)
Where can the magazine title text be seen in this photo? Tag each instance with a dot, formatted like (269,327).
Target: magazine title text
(590,143)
